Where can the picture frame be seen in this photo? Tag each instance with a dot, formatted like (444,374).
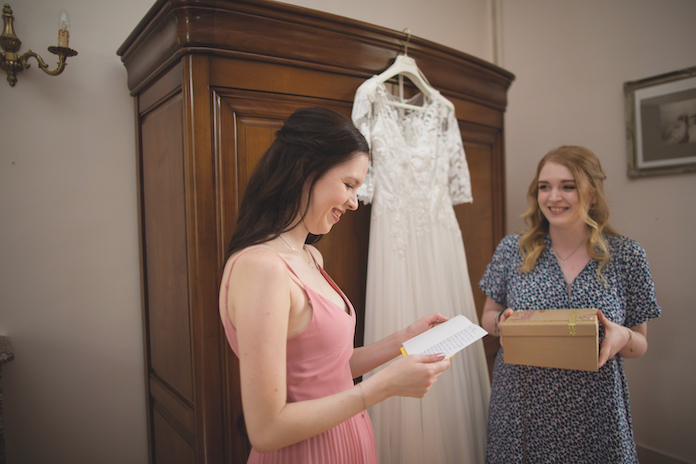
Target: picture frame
(661,124)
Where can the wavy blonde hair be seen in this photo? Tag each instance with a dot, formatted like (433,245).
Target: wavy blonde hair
(589,181)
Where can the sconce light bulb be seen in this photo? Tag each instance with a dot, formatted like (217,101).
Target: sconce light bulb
(63,20)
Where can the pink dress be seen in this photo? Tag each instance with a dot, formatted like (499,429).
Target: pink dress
(317,366)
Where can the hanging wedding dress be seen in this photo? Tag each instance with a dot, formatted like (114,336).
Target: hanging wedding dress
(417,266)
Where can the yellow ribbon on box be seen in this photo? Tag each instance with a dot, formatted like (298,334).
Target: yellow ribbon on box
(571,322)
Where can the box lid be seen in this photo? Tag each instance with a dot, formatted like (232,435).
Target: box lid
(551,322)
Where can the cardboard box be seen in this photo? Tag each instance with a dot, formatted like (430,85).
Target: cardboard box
(560,338)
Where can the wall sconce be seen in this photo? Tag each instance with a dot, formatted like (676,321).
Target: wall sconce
(13,63)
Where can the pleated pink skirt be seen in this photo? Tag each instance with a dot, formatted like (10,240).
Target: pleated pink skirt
(351,442)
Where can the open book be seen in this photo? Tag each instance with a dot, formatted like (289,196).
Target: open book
(449,337)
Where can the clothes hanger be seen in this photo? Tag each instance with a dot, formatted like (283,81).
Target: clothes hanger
(406,66)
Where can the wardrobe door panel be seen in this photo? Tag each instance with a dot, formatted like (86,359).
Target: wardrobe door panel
(475,218)
(255,135)
(481,228)
(165,263)
(169,445)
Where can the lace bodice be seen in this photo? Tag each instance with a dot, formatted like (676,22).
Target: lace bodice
(418,168)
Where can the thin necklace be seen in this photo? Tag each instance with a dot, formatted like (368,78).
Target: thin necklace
(307,259)
(567,257)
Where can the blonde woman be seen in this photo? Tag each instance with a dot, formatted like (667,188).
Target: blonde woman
(569,257)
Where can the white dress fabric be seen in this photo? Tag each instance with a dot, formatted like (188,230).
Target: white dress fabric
(417,266)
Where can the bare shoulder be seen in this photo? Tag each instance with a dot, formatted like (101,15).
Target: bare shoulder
(258,282)
(258,262)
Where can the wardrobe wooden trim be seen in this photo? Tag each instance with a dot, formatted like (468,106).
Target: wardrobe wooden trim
(173,28)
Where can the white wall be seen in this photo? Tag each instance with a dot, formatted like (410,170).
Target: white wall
(69,275)
(571,60)
(69,272)
(461,24)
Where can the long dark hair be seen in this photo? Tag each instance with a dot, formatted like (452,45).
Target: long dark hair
(312,141)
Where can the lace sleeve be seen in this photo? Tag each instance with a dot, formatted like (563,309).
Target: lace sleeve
(459,177)
(362,118)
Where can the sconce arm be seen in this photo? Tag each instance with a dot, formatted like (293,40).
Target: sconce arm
(62,52)
(24,59)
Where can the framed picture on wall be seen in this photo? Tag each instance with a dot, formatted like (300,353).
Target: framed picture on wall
(661,124)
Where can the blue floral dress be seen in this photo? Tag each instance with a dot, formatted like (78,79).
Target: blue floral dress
(543,415)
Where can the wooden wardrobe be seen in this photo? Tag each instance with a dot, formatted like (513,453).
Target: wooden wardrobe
(213,80)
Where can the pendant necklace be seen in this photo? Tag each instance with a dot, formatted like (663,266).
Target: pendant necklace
(571,254)
(307,260)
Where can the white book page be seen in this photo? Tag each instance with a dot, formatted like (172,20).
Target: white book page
(449,337)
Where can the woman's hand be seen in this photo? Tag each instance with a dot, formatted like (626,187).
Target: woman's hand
(423,324)
(493,315)
(616,337)
(369,357)
(412,375)
(500,318)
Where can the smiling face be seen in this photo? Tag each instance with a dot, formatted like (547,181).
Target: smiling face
(558,197)
(334,193)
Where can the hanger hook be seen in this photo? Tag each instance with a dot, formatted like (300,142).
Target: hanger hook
(408,39)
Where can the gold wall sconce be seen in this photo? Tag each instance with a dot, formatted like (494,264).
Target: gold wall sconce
(13,63)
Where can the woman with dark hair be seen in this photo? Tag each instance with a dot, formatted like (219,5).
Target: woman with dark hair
(569,257)
(289,323)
